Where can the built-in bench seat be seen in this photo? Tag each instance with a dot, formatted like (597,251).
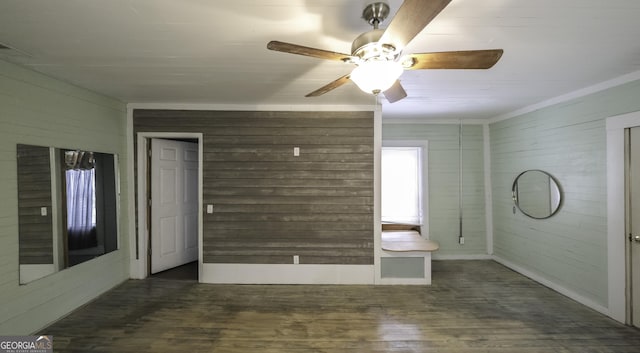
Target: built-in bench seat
(406,240)
(406,255)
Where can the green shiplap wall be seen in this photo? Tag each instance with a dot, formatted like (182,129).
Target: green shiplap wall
(568,140)
(444,169)
(38,110)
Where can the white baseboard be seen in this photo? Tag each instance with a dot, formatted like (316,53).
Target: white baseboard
(287,274)
(405,281)
(435,256)
(556,287)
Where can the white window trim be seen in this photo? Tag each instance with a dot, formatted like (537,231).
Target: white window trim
(424,170)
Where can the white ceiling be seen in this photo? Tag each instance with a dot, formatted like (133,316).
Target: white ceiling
(205,51)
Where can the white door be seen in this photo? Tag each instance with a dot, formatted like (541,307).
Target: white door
(174,203)
(634,237)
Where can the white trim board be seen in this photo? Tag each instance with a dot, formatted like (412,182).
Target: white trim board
(488,195)
(464,257)
(402,121)
(287,274)
(377,198)
(134,264)
(250,107)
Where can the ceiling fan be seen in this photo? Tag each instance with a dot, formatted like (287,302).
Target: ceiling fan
(377,54)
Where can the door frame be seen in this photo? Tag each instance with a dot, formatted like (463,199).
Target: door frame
(140,269)
(617,258)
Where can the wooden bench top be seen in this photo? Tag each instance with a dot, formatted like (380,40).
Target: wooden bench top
(394,240)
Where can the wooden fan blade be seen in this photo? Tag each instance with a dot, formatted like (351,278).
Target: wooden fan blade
(306,51)
(333,85)
(412,17)
(471,59)
(395,93)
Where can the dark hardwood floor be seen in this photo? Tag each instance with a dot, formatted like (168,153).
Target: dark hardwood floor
(472,306)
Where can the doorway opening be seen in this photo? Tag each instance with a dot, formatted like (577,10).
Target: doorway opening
(169,237)
(186,272)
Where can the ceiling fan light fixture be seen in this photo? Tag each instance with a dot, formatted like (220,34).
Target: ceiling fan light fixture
(377,53)
(375,76)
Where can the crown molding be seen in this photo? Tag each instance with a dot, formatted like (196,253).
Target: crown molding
(599,87)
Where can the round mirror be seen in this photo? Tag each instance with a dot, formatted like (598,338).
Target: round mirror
(536,194)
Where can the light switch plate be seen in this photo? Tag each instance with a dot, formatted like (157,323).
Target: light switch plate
(296,151)
(43,211)
(209,208)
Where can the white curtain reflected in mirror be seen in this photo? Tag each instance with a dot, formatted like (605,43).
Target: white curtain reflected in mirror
(81,204)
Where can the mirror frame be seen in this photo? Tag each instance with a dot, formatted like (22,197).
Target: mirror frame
(516,198)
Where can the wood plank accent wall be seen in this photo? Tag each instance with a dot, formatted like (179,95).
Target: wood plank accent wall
(34,192)
(270,205)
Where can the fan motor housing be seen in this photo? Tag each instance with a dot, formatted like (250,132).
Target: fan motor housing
(367,46)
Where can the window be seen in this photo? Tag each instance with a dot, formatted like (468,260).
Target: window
(402,184)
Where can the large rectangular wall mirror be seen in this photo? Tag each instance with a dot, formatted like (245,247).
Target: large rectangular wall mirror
(67,208)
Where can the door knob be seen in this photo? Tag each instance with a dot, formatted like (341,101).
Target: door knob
(635,238)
